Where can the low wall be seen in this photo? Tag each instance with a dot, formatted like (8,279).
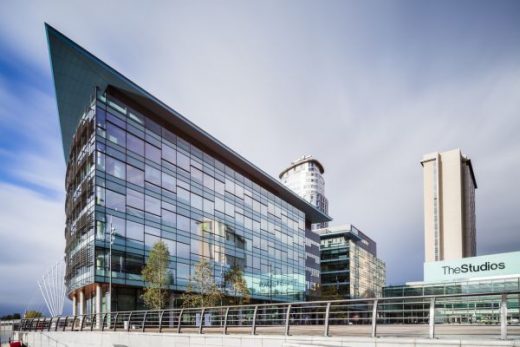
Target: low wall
(125,339)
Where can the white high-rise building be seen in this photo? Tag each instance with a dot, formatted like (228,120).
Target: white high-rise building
(449,206)
(304,177)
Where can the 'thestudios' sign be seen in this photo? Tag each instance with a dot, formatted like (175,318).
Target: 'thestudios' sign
(487,265)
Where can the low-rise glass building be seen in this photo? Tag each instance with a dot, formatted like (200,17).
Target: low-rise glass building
(493,274)
(139,172)
(349,264)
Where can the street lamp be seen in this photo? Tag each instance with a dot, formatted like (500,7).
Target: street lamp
(112,237)
(271,283)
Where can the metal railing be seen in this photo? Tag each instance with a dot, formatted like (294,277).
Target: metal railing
(492,314)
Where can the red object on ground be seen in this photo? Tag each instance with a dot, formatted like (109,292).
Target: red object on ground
(15,344)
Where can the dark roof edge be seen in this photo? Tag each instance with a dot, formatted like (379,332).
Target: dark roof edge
(468,162)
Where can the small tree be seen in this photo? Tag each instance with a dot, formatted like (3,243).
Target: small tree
(330,293)
(157,277)
(234,277)
(314,293)
(33,314)
(202,291)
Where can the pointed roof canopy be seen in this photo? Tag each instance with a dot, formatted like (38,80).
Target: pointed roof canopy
(77,73)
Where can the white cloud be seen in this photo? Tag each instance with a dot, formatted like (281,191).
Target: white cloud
(360,90)
(31,234)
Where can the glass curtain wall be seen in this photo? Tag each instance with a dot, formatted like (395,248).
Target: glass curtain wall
(148,184)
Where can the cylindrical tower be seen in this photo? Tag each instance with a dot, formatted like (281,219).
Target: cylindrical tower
(304,177)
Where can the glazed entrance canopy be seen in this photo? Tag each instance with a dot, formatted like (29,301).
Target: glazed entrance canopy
(77,73)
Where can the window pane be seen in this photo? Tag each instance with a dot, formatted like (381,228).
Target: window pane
(219,204)
(134,264)
(116,120)
(183,195)
(153,153)
(209,182)
(183,270)
(169,218)
(183,161)
(100,196)
(116,134)
(208,206)
(196,175)
(115,200)
(135,144)
(183,223)
(168,182)
(152,230)
(100,117)
(153,205)
(134,231)
(196,201)
(134,199)
(135,175)
(230,209)
(119,226)
(100,162)
(153,175)
(183,250)
(115,168)
(169,154)
(219,187)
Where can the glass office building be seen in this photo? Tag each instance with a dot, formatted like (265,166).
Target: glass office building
(140,171)
(350,267)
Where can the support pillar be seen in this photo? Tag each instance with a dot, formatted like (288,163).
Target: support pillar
(99,297)
(81,302)
(74,304)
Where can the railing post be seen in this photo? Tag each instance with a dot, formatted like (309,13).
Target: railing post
(503,317)
(201,319)
(374,318)
(73,323)
(65,324)
(129,321)
(432,318)
(160,321)
(253,326)
(50,323)
(326,322)
(225,320)
(115,320)
(144,321)
(103,321)
(94,318)
(37,324)
(83,319)
(179,322)
(57,323)
(287,319)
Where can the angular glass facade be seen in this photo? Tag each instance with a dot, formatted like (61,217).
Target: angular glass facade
(128,173)
(139,172)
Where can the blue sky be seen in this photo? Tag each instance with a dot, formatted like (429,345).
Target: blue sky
(367,87)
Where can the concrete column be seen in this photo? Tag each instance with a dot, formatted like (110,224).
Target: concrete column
(99,297)
(74,304)
(81,302)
